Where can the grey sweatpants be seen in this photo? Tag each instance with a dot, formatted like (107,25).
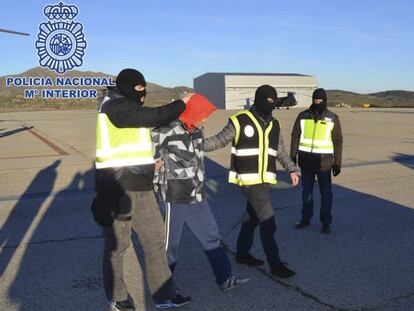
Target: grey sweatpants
(147,222)
(200,221)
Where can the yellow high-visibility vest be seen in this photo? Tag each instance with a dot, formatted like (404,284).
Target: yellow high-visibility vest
(316,136)
(253,158)
(118,147)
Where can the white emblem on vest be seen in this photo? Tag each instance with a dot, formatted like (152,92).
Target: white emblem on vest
(249,131)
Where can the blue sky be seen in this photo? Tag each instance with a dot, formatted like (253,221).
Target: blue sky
(361,46)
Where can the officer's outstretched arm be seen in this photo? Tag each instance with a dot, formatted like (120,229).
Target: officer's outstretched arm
(220,140)
(125,113)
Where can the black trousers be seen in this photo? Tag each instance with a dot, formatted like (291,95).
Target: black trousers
(259,212)
(325,189)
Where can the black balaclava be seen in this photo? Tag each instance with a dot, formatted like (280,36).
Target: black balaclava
(264,108)
(127,80)
(319,94)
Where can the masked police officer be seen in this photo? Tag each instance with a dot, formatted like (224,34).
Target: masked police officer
(317,145)
(257,144)
(124,184)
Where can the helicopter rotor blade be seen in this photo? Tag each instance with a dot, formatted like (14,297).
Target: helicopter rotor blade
(14,32)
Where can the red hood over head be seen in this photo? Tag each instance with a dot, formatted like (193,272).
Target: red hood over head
(197,109)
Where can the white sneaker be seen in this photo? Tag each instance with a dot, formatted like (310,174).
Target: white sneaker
(232,282)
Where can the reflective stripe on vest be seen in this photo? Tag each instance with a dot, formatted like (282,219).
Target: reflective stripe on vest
(262,176)
(117,147)
(251,178)
(316,137)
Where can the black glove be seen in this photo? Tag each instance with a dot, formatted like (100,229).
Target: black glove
(336,170)
(103,210)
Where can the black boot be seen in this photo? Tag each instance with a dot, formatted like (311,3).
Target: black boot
(279,269)
(302,224)
(249,260)
(246,236)
(326,229)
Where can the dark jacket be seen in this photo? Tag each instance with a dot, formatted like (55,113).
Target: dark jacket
(315,161)
(124,113)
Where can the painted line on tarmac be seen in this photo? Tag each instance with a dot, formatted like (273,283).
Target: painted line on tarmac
(43,195)
(91,190)
(28,157)
(56,148)
(286,185)
(82,153)
(407,160)
(53,241)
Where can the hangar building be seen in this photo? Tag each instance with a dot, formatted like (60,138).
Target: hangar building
(236,90)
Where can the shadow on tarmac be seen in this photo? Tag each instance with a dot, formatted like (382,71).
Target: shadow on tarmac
(404,159)
(365,262)
(45,279)
(15,131)
(12,233)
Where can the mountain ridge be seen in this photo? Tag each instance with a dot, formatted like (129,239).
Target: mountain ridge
(11,98)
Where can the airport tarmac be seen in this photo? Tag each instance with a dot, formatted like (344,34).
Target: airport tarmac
(51,249)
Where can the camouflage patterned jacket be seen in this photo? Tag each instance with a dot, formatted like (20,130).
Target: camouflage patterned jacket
(181,180)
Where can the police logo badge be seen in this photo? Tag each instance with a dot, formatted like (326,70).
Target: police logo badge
(60,43)
(249,131)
